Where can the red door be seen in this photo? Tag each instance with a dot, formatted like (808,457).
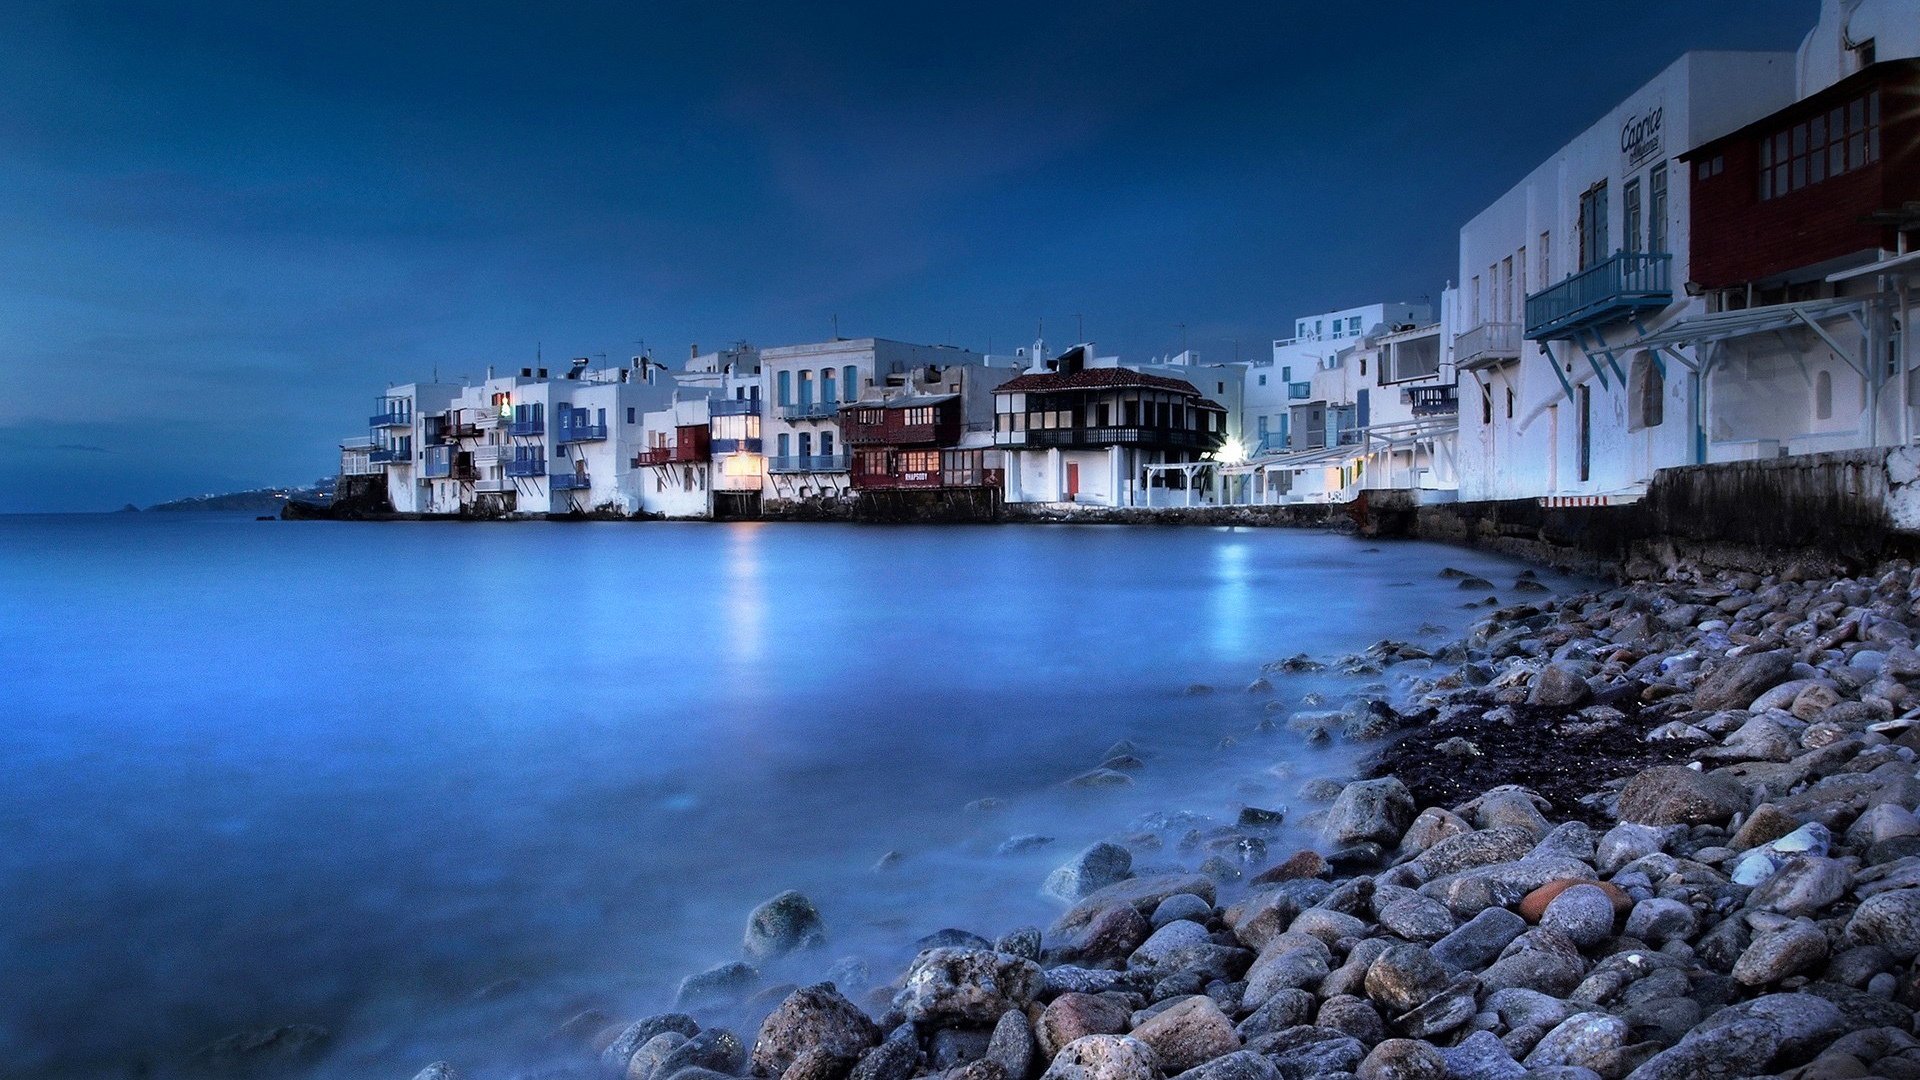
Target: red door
(1073,479)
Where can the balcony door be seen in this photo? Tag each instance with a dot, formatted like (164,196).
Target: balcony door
(1593,225)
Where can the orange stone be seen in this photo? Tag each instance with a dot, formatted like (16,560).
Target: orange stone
(1534,904)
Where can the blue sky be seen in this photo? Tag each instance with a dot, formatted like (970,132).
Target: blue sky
(225,227)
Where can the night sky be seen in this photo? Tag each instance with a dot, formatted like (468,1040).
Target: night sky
(225,227)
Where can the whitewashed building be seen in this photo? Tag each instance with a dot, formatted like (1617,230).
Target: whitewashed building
(1274,384)
(805,386)
(675,473)
(1565,273)
(395,431)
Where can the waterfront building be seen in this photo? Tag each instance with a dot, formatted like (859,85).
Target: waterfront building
(1800,249)
(1562,278)
(676,472)
(1276,383)
(395,432)
(1080,432)
(927,431)
(805,385)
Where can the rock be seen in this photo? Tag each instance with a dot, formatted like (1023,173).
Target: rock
(814,1016)
(893,1059)
(1416,917)
(721,985)
(1588,1040)
(1470,850)
(1890,920)
(1011,1046)
(1284,965)
(1776,954)
(1676,795)
(1403,1059)
(1284,1009)
(1104,1057)
(439,1070)
(1184,906)
(715,1048)
(1182,945)
(1309,1053)
(1263,916)
(645,1061)
(785,924)
(1803,885)
(614,1059)
(1478,941)
(272,1050)
(1736,1050)
(1403,977)
(1189,1033)
(1142,894)
(819,1063)
(1021,941)
(1533,906)
(1429,828)
(1239,1065)
(951,1048)
(1071,1017)
(1254,817)
(1657,920)
(1113,935)
(953,938)
(1101,778)
(1558,686)
(1095,868)
(1369,810)
(1584,913)
(1881,823)
(1481,1056)
(1736,682)
(1022,843)
(1766,824)
(1354,1016)
(1443,1012)
(971,986)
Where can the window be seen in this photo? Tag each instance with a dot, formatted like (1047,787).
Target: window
(1363,367)
(850,382)
(786,388)
(826,386)
(1646,398)
(1506,289)
(629,414)
(1486,404)
(1823,396)
(1586,432)
(806,444)
(1632,194)
(1353,325)
(1840,140)
(1520,265)
(781,442)
(1657,210)
(1546,258)
(1712,167)
(826,444)
(1263,380)
(806,388)
(1479,307)
(1509,402)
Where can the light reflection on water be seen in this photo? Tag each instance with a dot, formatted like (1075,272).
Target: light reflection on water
(259,773)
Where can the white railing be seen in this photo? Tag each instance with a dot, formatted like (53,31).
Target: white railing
(1488,341)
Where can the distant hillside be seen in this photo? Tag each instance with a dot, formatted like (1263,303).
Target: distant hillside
(257,501)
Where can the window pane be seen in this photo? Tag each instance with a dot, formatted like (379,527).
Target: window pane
(1817,167)
(1799,173)
(1856,116)
(1818,137)
(1766,153)
(1857,150)
(1800,138)
(1836,158)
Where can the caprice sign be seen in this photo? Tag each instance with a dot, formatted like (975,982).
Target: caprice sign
(1640,138)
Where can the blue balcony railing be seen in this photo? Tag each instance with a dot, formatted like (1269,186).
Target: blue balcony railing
(1299,391)
(527,427)
(387,455)
(569,482)
(527,467)
(580,433)
(734,407)
(735,446)
(390,419)
(809,463)
(810,410)
(1612,289)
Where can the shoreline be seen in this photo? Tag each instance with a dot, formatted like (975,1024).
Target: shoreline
(1711,867)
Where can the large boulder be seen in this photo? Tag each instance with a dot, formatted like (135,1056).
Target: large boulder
(1072,1017)
(967,986)
(1188,1034)
(1890,920)
(787,923)
(1735,683)
(1793,949)
(1558,686)
(1677,795)
(812,1017)
(614,1058)
(1104,1057)
(1403,1059)
(1376,811)
(1088,872)
(1404,977)
(1142,894)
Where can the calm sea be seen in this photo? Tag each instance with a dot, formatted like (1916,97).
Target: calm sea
(259,773)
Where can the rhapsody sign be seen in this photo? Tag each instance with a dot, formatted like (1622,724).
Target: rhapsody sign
(1640,138)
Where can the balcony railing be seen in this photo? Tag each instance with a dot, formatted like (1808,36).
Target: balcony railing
(736,446)
(1611,289)
(528,427)
(390,419)
(1299,391)
(527,467)
(487,418)
(1125,436)
(493,485)
(809,463)
(811,410)
(388,455)
(581,433)
(734,407)
(569,482)
(1487,343)
(1434,400)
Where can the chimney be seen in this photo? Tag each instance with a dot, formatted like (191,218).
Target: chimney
(543,373)
(527,373)
(693,351)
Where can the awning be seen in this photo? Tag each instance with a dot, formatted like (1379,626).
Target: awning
(1897,262)
(1700,330)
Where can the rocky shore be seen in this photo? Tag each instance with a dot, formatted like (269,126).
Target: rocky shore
(1654,832)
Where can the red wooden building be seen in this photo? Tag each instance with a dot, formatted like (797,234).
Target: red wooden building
(913,442)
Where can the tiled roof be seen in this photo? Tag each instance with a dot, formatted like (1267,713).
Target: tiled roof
(1101,378)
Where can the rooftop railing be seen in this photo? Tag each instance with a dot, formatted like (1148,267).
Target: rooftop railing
(734,407)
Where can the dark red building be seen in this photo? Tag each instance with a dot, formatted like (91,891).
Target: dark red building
(913,442)
(1808,190)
